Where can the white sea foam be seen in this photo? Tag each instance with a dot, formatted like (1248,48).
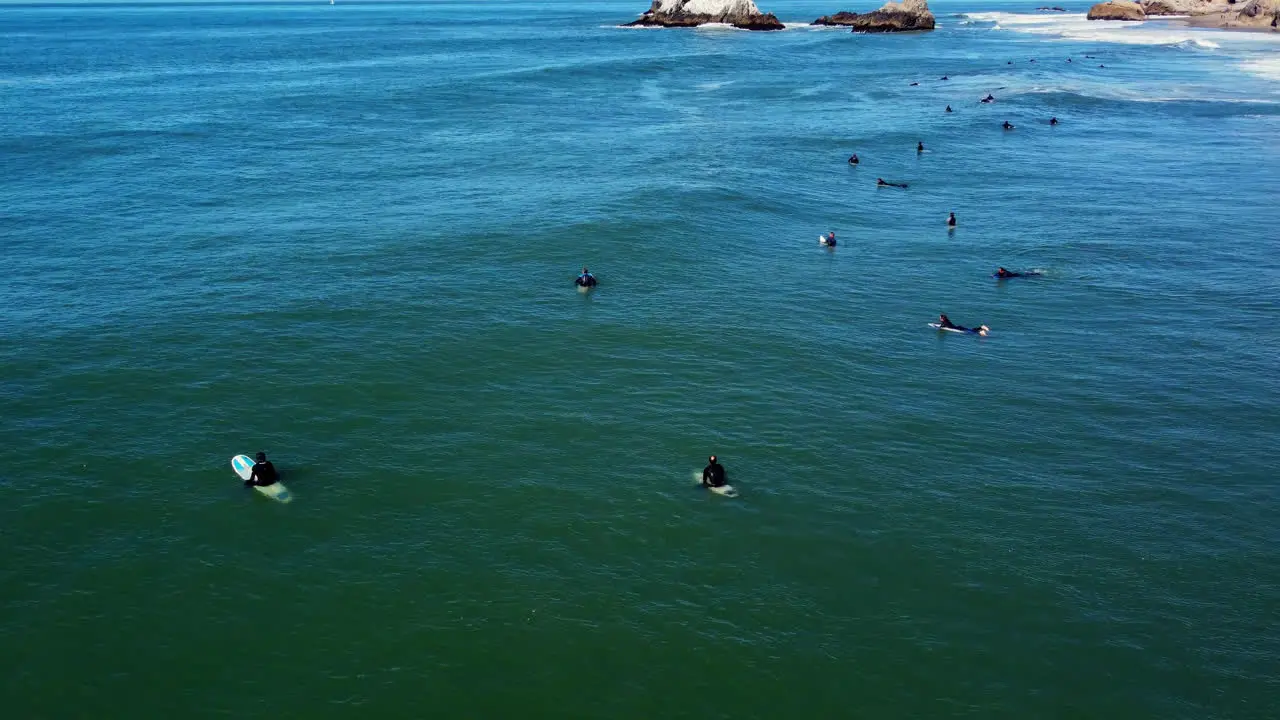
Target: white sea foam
(1078,27)
(1265,67)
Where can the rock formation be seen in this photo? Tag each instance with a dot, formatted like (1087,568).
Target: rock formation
(691,13)
(893,17)
(1117,10)
(840,18)
(1249,15)
(1183,7)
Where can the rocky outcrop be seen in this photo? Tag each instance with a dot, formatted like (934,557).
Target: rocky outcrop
(1117,10)
(840,18)
(1250,15)
(691,13)
(1183,7)
(905,16)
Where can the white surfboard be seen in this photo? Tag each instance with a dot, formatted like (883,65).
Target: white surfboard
(822,239)
(584,288)
(725,490)
(243,466)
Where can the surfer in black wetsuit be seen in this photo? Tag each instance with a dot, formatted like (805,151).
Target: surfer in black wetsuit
(853,159)
(586,279)
(951,220)
(944,323)
(988,99)
(1002,273)
(1053,121)
(881,183)
(831,239)
(1007,125)
(948,108)
(919,147)
(713,473)
(264,473)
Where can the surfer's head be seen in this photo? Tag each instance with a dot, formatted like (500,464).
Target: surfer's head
(262,457)
(712,459)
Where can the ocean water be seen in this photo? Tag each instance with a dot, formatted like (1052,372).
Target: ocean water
(347,235)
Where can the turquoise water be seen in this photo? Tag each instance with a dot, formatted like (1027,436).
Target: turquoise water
(347,236)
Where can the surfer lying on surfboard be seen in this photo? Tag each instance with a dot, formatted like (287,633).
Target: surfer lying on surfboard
(881,183)
(1001,274)
(586,279)
(944,323)
(264,473)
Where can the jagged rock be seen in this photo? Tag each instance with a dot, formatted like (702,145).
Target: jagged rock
(896,17)
(691,13)
(1183,7)
(840,18)
(1117,10)
(1261,15)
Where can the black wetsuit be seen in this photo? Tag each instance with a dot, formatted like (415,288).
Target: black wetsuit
(587,280)
(1007,274)
(713,475)
(264,473)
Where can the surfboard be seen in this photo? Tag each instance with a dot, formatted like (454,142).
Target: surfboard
(243,465)
(725,490)
(966,331)
(822,240)
(584,289)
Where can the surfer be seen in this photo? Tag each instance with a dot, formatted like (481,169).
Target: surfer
(586,279)
(1053,121)
(919,147)
(264,473)
(881,183)
(713,473)
(831,239)
(1002,273)
(944,323)
(988,99)
(853,159)
(951,220)
(1007,125)
(944,77)
(948,108)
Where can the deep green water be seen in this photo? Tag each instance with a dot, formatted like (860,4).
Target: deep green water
(347,236)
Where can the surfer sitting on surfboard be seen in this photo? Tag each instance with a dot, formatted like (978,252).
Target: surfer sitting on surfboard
(713,474)
(264,473)
(586,279)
